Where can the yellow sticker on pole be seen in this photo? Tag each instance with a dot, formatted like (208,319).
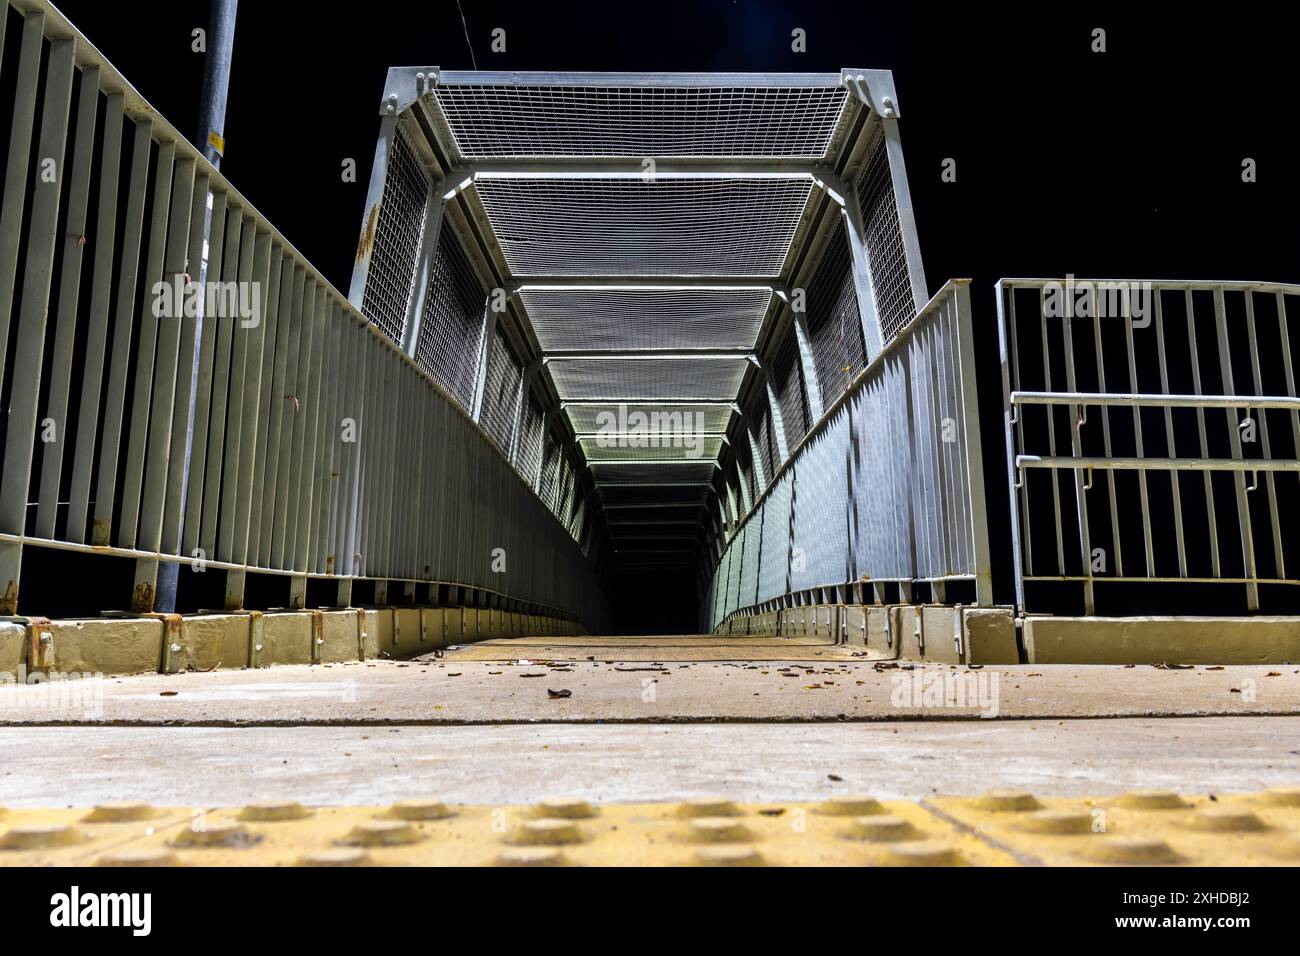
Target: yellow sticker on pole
(217,143)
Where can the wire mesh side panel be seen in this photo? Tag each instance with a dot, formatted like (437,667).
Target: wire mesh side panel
(737,554)
(834,322)
(775,561)
(941,484)
(745,464)
(790,389)
(821,541)
(397,239)
(753,547)
(452,320)
(886,256)
(889,487)
(530,443)
(550,460)
(882,482)
(759,416)
(501,391)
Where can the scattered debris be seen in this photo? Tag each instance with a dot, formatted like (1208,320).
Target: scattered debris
(558,694)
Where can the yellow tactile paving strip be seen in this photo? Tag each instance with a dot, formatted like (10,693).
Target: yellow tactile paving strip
(1005,829)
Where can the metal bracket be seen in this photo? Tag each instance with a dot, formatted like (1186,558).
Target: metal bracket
(256,636)
(317,637)
(405,85)
(875,88)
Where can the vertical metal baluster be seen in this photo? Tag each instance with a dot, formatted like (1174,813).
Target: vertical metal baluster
(1147,543)
(115,395)
(1080,493)
(101,286)
(1200,422)
(1106,443)
(74,240)
(207,346)
(1234,439)
(1051,440)
(1257,379)
(1175,478)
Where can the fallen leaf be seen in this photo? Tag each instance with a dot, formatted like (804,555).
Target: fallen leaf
(558,694)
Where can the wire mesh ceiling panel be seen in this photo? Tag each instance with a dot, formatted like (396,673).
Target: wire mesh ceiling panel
(890,280)
(674,449)
(648,418)
(453,319)
(646,318)
(575,227)
(652,475)
(397,239)
(790,389)
(641,493)
(834,322)
(708,379)
(499,392)
(575,115)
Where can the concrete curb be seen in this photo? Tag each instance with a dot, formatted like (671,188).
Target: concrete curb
(173,643)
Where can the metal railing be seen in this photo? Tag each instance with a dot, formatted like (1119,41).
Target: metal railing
(887,487)
(1153,434)
(320,449)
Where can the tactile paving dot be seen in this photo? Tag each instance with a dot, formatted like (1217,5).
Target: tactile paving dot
(880,829)
(1001,829)
(563,808)
(707,807)
(277,811)
(546,832)
(149,856)
(119,813)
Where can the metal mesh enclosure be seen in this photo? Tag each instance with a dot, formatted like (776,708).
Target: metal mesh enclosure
(834,322)
(397,239)
(709,379)
(500,392)
(629,227)
(890,279)
(453,318)
(790,389)
(607,119)
(644,318)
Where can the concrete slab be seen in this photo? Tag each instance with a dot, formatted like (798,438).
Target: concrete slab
(1151,640)
(107,645)
(210,641)
(286,639)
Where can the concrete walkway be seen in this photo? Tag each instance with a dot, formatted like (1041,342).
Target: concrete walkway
(199,767)
(451,691)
